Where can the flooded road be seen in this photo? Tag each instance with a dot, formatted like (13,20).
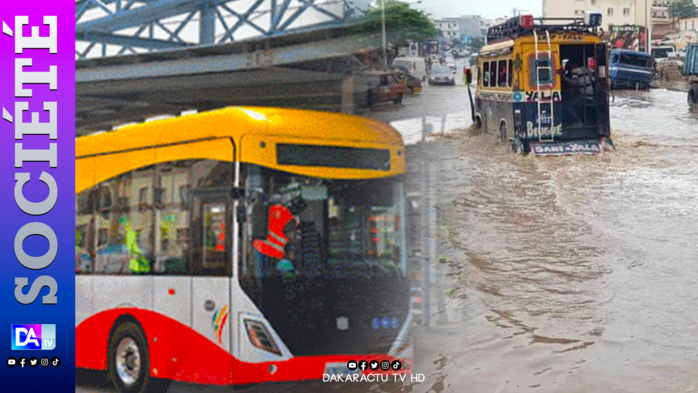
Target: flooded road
(567,274)
(577,273)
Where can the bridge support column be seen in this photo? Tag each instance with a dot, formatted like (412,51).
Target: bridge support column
(348,95)
(207,25)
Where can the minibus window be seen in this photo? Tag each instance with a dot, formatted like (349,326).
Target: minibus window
(543,73)
(493,74)
(510,73)
(502,78)
(485,74)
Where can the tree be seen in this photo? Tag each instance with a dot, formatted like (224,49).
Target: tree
(683,9)
(476,44)
(402,24)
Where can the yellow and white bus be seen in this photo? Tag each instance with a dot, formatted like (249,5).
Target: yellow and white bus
(543,85)
(174,222)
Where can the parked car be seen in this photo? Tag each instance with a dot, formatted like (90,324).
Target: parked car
(380,86)
(442,76)
(414,85)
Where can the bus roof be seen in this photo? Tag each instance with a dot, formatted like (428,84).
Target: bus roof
(251,129)
(291,123)
(512,29)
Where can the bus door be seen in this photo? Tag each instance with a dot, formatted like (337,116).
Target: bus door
(580,89)
(601,75)
(212,247)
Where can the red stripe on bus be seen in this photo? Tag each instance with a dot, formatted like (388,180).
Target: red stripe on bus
(179,353)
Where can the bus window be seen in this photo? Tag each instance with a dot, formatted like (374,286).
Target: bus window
(214,235)
(139,222)
(510,74)
(637,61)
(502,74)
(193,218)
(485,74)
(117,238)
(493,74)
(542,72)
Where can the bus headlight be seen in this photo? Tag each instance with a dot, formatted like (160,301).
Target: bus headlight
(260,337)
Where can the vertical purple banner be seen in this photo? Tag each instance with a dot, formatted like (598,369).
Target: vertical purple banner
(37,185)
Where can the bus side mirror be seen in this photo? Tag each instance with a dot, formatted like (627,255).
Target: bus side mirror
(468,75)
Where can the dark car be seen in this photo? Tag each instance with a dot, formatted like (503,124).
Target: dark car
(380,86)
(414,85)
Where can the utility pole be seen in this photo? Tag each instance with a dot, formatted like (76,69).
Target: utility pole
(385,41)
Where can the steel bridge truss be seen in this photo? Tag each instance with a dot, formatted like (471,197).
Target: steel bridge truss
(114,27)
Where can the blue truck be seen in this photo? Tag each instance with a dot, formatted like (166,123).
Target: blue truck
(630,70)
(690,69)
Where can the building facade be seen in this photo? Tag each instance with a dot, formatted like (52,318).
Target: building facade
(615,12)
(449,27)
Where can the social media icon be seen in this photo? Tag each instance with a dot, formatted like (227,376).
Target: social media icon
(374,365)
(351,365)
(11,362)
(55,362)
(22,362)
(34,337)
(33,362)
(44,362)
(396,365)
(385,365)
(363,364)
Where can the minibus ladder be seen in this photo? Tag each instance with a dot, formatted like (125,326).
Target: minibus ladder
(539,98)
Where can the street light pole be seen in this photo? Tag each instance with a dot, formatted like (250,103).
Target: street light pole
(385,44)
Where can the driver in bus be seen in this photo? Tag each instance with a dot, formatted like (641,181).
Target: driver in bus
(282,223)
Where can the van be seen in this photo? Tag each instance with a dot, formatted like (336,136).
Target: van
(415,65)
(630,69)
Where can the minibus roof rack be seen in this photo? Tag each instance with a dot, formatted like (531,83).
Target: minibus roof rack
(512,28)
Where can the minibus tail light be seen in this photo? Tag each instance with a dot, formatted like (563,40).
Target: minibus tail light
(260,337)
(526,22)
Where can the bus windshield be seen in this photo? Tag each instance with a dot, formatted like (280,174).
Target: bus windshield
(330,249)
(637,61)
(343,227)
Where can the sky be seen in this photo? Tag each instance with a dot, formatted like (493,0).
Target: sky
(485,8)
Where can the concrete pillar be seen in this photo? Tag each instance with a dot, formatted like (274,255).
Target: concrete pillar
(348,95)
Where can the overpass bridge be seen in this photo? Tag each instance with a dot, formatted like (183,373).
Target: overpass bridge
(308,70)
(137,59)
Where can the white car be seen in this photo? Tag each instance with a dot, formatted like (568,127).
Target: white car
(442,76)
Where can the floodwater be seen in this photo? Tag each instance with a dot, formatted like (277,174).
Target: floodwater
(564,274)
(574,274)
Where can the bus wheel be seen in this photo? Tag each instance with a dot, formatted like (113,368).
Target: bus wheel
(691,97)
(503,133)
(398,100)
(127,360)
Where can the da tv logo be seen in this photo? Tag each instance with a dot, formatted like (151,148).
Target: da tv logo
(33,337)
